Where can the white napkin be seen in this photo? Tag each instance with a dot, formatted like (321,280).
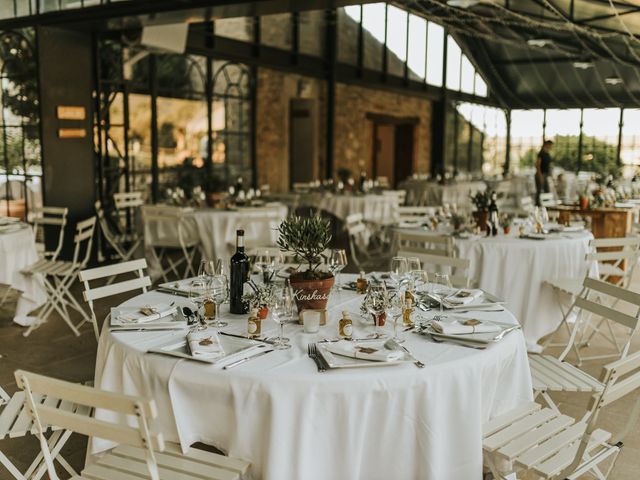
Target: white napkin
(136,314)
(205,344)
(457,327)
(464,296)
(364,352)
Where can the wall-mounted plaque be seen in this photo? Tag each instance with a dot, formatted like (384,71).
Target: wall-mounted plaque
(67,112)
(72,133)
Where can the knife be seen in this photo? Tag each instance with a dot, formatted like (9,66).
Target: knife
(245,359)
(270,342)
(172,292)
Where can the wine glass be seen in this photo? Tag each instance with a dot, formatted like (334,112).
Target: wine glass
(337,261)
(262,260)
(376,303)
(277,262)
(222,267)
(218,292)
(441,288)
(280,310)
(207,268)
(396,306)
(197,293)
(398,270)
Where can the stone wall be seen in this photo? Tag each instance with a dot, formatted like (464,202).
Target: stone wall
(353,131)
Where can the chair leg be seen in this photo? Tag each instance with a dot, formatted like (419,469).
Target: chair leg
(11,467)
(55,454)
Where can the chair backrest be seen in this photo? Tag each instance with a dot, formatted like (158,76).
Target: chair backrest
(165,219)
(139,282)
(106,230)
(83,240)
(591,300)
(456,268)
(137,411)
(620,378)
(413,213)
(53,217)
(622,260)
(548,200)
(424,243)
(124,200)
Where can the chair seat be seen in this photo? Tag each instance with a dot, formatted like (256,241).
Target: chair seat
(550,374)
(129,463)
(538,439)
(572,286)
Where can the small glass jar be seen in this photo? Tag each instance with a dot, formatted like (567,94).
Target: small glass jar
(345,328)
(254,324)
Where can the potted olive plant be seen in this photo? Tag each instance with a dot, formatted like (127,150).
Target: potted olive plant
(307,238)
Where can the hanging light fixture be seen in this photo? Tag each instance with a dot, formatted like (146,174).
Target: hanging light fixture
(583,65)
(613,81)
(463,3)
(539,42)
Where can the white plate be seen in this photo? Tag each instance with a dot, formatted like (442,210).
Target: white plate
(232,346)
(482,338)
(339,361)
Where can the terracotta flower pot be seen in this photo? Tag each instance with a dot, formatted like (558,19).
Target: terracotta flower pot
(381,319)
(263,312)
(584,202)
(311,294)
(507,230)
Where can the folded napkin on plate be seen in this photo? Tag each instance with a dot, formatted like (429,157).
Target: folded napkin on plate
(464,296)
(205,344)
(364,352)
(463,326)
(143,314)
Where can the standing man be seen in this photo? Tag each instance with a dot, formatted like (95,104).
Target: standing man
(543,169)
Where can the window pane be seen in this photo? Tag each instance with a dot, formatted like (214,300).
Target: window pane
(453,64)
(630,147)
(348,28)
(238,28)
(418,51)
(600,139)
(435,52)
(396,40)
(526,137)
(468,75)
(563,127)
(312,28)
(275,30)
(480,86)
(373,21)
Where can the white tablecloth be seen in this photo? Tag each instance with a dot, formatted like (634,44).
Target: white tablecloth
(515,270)
(293,423)
(216,229)
(423,192)
(17,251)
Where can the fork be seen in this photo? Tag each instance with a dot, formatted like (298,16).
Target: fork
(312,351)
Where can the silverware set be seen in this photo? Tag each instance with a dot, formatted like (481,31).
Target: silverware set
(312,351)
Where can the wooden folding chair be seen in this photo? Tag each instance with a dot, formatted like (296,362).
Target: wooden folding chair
(456,268)
(58,276)
(141,451)
(109,272)
(555,446)
(15,422)
(551,374)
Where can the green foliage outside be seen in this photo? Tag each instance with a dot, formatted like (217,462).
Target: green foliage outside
(597,156)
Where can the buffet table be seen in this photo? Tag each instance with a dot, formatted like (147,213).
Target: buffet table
(516,269)
(17,251)
(605,222)
(292,422)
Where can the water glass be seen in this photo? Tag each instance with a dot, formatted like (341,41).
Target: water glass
(337,261)
(398,270)
(218,292)
(376,303)
(280,310)
(197,294)
(441,288)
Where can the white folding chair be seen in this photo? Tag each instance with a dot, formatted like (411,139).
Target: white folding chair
(399,195)
(410,213)
(109,272)
(551,374)
(550,445)
(170,230)
(364,248)
(15,422)
(127,207)
(124,245)
(456,268)
(548,200)
(55,218)
(141,451)
(58,276)
(424,243)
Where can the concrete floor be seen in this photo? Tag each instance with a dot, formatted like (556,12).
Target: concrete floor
(54,350)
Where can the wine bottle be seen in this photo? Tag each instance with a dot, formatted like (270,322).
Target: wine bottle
(239,272)
(493,215)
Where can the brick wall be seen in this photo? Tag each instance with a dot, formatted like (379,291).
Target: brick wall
(353,131)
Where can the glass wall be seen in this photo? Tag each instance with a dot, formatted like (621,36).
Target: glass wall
(630,140)
(481,139)
(20,159)
(526,138)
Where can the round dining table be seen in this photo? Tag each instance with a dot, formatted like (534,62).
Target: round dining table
(293,422)
(517,270)
(17,251)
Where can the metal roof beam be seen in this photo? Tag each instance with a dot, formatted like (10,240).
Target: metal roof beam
(607,16)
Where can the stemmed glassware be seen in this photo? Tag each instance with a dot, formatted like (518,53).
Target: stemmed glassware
(273,267)
(280,310)
(219,292)
(396,306)
(376,302)
(441,288)
(197,293)
(398,270)
(336,263)
(261,262)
